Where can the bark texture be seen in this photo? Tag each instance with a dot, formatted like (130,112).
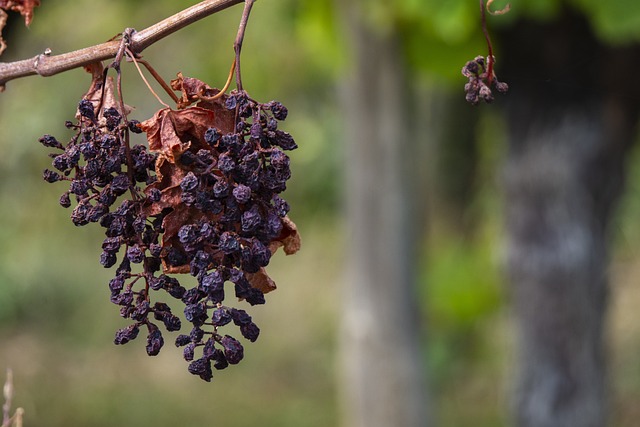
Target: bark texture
(572,118)
(382,381)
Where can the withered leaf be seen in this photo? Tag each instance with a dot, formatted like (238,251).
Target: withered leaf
(192,91)
(24,7)
(289,238)
(3,22)
(261,281)
(170,133)
(96,69)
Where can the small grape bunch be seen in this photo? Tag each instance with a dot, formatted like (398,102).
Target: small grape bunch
(202,199)
(481,78)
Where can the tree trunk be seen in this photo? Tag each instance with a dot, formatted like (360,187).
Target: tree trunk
(571,125)
(382,365)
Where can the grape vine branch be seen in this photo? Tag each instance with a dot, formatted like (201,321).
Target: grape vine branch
(46,65)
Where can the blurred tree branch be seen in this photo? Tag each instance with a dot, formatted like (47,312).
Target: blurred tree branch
(46,65)
(9,420)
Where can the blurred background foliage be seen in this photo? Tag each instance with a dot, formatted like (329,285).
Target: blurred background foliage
(57,325)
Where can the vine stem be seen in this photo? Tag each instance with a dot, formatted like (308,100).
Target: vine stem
(124,46)
(156,76)
(490,58)
(223,90)
(146,82)
(237,45)
(48,65)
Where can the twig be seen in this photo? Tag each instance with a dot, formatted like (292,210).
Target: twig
(237,45)
(7,419)
(125,43)
(17,417)
(48,65)
(223,90)
(144,79)
(159,79)
(7,391)
(490,57)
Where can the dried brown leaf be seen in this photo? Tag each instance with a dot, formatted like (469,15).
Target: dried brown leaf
(24,7)
(289,238)
(261,281)
(96,69)
(192,89)
(168,131)
(3,22)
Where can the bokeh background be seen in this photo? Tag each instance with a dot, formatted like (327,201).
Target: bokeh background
(56,321)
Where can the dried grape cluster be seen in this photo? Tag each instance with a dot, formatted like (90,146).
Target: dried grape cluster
(481,78)
(203,198)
